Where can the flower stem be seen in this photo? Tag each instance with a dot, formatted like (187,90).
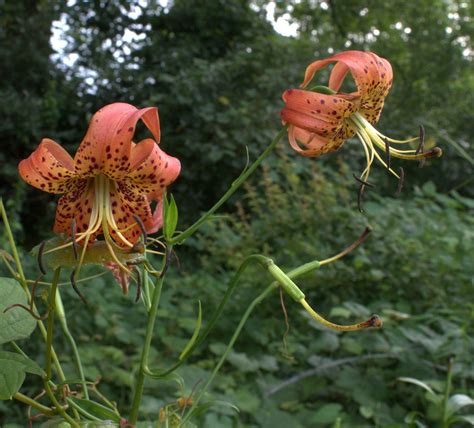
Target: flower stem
(33,403)
(236,334)
(152,312)
(77,358)
(24,284)
(49,336)
(234,186)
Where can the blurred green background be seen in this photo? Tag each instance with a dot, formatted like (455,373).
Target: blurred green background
(216,69)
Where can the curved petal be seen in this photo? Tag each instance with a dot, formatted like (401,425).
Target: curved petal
(76,204)
(49,168)
(151,169)
(311,145)
(373,77)
(107,144)
(316,113)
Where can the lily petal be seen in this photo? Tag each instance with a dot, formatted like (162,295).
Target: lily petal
(151,169)
(76,204)
(49,168)
(107,144)
(315,112)
(373,77)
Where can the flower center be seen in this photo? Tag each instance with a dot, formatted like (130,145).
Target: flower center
(103,217)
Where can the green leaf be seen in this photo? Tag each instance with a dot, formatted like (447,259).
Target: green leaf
(170,218)
(13,369)
(469,419)
(417,383)
(96,409)
(16,323)
(457,402)
(327,413)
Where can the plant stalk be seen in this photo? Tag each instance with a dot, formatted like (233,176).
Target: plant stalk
(233,188)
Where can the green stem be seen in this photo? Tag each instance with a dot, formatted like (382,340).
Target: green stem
(140,382)
(77,358)
(24,284)
(58,406)
(236,334)
(254,258)
(49,334)
(234,186)
(33,403)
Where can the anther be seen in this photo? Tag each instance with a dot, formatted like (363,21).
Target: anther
(359,197)
(365,183)
(401,181)
(40,258)
(74,286)
(421,146)
(73,237)
(139,285)
(140,224)
(387,154)
(29,310)
(167,262)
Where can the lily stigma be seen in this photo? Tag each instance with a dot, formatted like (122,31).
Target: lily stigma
(109,186)
(321,119)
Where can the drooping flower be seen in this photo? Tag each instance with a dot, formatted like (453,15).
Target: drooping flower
(321,120)
(110,184)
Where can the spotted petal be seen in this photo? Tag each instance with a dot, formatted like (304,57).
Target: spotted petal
(76,204)
(152,170)
(107,144)
(372,75)
(49,168)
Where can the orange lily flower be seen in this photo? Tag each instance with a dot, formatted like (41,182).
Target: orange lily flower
(110,183)
(320,123)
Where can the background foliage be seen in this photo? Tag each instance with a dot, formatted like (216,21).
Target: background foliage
(216,69)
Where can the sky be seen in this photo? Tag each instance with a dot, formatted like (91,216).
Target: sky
(58,43)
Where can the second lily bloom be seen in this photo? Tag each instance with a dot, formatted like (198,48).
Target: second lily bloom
(320,122)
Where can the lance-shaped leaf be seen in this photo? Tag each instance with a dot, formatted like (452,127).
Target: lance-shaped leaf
(15,323)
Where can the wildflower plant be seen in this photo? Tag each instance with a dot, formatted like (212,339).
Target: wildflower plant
(116,194)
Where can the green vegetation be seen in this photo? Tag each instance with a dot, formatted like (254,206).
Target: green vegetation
(216,69)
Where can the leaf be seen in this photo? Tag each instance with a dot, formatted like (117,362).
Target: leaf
(457,402)
(417,383)
(96,409)
(13,369)
(327,413)
(171,218)
(465,418)
(197,329)
(16,323)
